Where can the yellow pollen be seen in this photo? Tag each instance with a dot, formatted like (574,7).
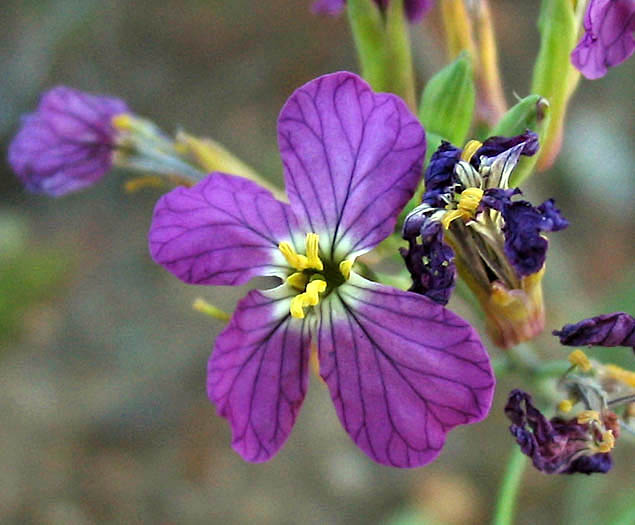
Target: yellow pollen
(468,204)
(312,249)
(298,280)
(470,149)
(565,405)
(123,121)
(345,269)
(579,358)
(295,260)
(588,416)
(619,374)
(310,297)
(607,443)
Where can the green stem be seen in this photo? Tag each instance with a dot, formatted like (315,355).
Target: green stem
(506,504)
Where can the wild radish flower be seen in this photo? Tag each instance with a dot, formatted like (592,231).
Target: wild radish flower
(415,9)
(402,370)
(496,240)
(608,37)
(67,143)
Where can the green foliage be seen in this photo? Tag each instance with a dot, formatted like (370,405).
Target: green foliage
(447,103)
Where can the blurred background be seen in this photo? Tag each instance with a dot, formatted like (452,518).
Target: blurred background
(103,411)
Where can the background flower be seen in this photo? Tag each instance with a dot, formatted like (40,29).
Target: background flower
(67,143)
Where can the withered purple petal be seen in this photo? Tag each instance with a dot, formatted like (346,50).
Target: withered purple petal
(525,247)
(439,177)
(398,393)
(67,144)
(616,329)
(224,230)
(608,38)
(554,446)
(258,375)
(352,159)
(496,145)
(431,264)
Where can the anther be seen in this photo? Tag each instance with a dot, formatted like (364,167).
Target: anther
(345,269)
(588,416)
(579,358)
(565,406)
(470,149)
(295,260)
(468,205)
(312,249)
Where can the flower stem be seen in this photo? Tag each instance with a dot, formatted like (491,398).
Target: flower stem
(506,503)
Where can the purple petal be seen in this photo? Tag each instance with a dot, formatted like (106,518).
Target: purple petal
(402,370)
(608,38)
(224,230)
(67,143)
(258,375)
(616,329)
(328,7)
(352,159)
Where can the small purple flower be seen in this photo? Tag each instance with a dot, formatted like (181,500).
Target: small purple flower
(559,446)
(352,158)
(67,144)
(616,329)
(608,37)
(415,9)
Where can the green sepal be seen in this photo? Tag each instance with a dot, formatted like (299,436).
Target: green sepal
(447,103)
(554,77)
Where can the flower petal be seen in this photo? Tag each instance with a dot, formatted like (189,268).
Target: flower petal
(257,375)
(67,144)
(352,159)
(608,38)
(224,230)
(616,329)
(398,391)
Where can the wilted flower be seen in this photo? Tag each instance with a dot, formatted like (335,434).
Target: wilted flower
(616,329)
(67,144)
(415,9)
(562,446)
(352,159)
(608,37)
(497,241)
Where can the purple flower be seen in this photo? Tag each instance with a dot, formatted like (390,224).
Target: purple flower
(67,144)
(402,370)
(616,329)
(559,446)
(415,9)
(608,37)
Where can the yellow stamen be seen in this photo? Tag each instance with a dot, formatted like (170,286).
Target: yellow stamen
(579,358)
(298,280)
(619,374)
(123,121)
(201,305)
(295,260)
(470,149)
(312,249)
(565,405)
(309,298)
(468,204)
(607,443)
(345,269)
(296,307)
(588,416)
